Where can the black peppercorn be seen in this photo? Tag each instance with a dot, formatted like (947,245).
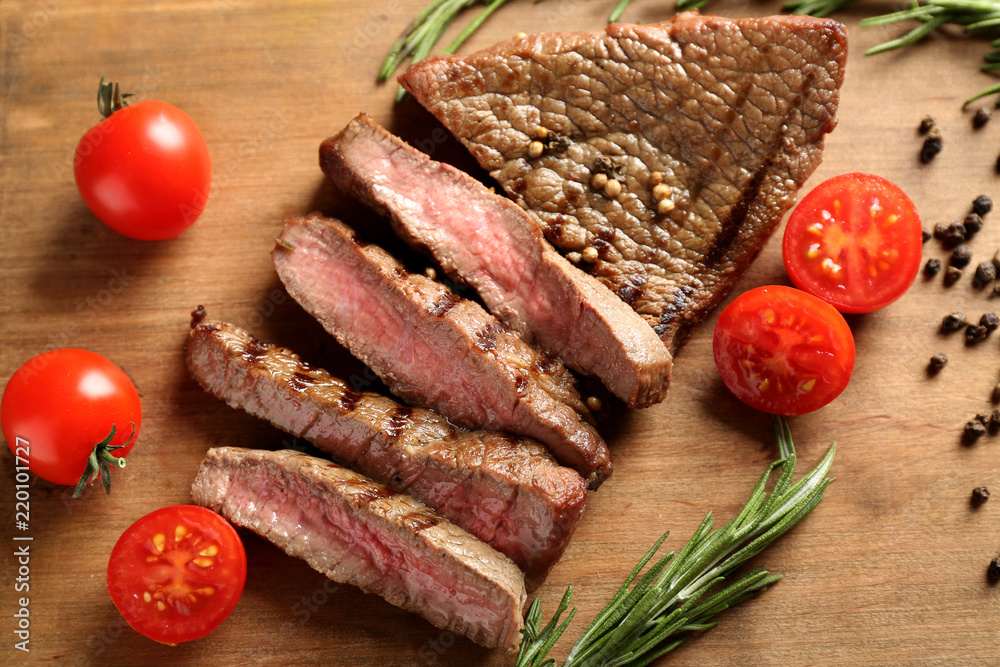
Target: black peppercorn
(932,146)
(980,495)
(925,235)
(981,117)
(932,267)
(994,423)
(997,165)
(926,124)
(940,230)
(993,571)
(973,223)
(953,322)
(961,256)
(995,396)
(986,273)
(983,418)
(982,205)
(955,234)
(951,275)
(974,429)
(996,261)
(975,333)
(989,320)
(938,361)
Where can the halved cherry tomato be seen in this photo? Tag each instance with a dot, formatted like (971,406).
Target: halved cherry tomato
(783,351)
(177,573)
(855,242)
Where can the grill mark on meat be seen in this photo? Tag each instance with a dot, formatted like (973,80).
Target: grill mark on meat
(508,491)
(300,381)
(358,532)
(428,361)
(733,113)
(349,400)
(253,351)
(486,338)
(447,301)
(398,421)
(418,521)
(489,243)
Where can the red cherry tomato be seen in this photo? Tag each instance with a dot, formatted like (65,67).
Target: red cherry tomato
(783,351)
(177,573)
(145,170)
(61,405)
(855,241)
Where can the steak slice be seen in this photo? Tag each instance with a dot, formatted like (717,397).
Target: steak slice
(431,347)
(507,491)
(358,532)
(732,114)
(490,243)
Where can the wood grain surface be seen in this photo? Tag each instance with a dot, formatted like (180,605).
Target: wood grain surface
(889,570)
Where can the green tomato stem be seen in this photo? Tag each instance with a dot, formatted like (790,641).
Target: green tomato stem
(100,461)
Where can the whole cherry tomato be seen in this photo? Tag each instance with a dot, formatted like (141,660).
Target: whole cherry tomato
(71,414)
(145,170)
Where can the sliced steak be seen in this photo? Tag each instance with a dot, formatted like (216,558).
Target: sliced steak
(730,115)
(507,491)
(358,532)
(490,243)
(433,348)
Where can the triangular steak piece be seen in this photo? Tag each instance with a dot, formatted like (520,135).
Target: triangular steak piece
(658,157)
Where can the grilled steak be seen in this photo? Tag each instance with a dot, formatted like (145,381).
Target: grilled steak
(730,115)
(492,244)
(507,491)
(433,348)
(358,532)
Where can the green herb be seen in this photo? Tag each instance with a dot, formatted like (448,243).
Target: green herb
(668,603)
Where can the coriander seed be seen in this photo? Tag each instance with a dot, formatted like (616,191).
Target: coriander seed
(655,178)
(664,206)
(598,181)
(594,403)
(661,191)
(430,272)
(541,133)
(535,148)
(612,188)
(589,254)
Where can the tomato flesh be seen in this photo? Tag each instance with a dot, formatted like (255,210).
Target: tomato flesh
(177,573)
(63,403)
(783,351)
(854,241)
(145,171)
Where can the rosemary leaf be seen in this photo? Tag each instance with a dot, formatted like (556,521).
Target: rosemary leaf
(681,594)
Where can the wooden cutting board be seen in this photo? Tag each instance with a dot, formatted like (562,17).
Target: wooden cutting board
(890,569)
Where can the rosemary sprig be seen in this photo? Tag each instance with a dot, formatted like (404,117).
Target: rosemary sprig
(668,603)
